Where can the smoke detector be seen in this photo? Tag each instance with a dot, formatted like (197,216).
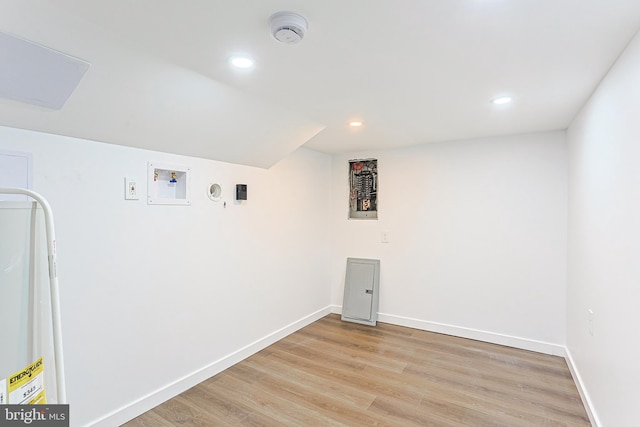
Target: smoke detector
(288,27)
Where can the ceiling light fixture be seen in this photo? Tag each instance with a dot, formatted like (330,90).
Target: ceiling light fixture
(355,123)
(501,100)
(242,62)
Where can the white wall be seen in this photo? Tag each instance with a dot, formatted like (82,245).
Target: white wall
(477,237)
(604,243)
(157,297)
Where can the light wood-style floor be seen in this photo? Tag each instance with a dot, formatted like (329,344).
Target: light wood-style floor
(334,373)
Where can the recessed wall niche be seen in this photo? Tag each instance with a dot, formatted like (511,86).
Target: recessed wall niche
(168,184)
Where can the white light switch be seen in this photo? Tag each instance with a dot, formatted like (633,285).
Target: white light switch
(385,236)
(131,189)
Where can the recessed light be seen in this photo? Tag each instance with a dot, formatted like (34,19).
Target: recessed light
(242,62)
(501,100)
(355,123)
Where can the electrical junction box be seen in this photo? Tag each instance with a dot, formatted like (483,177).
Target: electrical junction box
(241,191)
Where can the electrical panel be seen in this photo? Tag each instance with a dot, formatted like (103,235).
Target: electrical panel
(363,189)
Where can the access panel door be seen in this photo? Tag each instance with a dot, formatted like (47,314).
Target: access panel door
(360,303)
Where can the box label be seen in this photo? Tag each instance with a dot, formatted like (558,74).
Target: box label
(27,385)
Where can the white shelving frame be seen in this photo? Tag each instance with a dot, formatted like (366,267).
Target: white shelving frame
(53,283)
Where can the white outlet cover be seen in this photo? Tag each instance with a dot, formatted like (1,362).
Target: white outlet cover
(131,189)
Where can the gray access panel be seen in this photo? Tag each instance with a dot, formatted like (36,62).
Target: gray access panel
(360,304)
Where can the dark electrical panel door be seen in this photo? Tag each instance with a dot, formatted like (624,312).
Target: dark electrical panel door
(363,189)
(360,303)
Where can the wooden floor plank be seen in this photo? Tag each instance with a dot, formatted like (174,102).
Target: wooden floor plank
(334,373)
(355,396)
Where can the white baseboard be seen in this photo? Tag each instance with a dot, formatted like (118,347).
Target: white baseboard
(495,338)
(153,399)
(475,334)
(584,395)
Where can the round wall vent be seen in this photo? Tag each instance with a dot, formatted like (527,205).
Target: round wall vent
(288,27)
(214,192)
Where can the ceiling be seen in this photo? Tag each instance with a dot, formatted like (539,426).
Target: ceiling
(414,71)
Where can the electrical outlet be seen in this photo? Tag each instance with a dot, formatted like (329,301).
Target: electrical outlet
(131,189)
(590,321)
(384,238)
